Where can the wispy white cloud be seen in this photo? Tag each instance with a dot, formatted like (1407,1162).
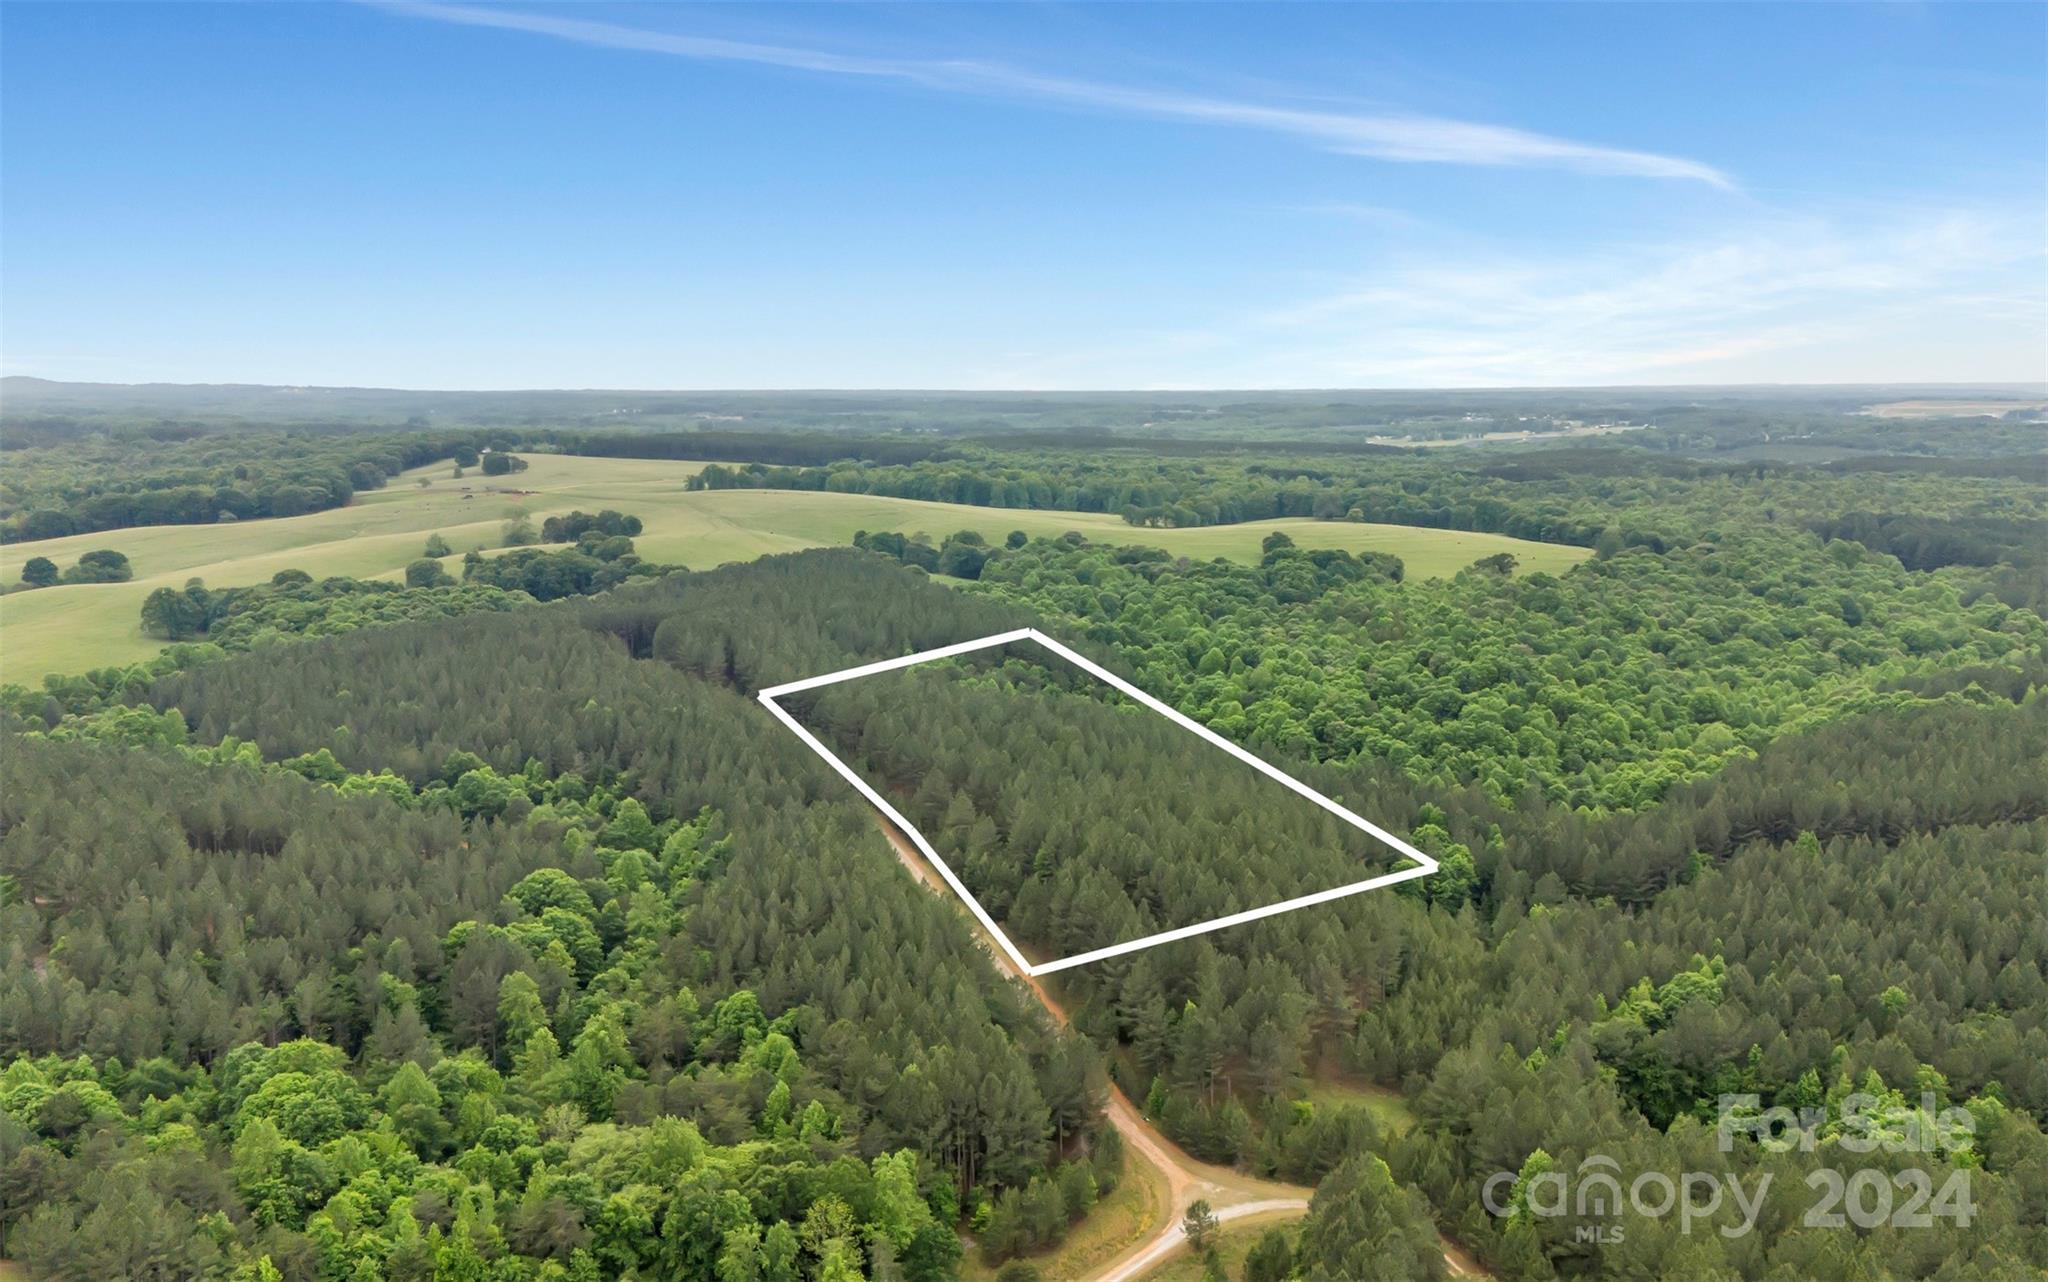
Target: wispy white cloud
(1955,296)
(1400,137)
(1771,296)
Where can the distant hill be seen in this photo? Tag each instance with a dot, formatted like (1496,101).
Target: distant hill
(1164,413)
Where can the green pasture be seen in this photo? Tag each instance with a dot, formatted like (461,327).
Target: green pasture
(73,628)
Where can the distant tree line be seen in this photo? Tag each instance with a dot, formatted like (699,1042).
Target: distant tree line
(962,555)
(103,565)
(2017,548)
(767,447)
(572,527)
(114,484)
(294,604)
(1607,498)
(1928,543)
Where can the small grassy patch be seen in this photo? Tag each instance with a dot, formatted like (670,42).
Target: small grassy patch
(1385,1103)
(1127,1217)
(1232,1242)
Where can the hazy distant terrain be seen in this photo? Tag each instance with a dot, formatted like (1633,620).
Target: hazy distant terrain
(1687,417)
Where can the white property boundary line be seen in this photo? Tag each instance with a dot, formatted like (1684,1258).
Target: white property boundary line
(1424,864)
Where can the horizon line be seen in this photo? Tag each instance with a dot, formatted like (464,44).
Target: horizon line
(2031,386)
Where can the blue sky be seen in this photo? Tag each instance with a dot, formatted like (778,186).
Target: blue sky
(994,196)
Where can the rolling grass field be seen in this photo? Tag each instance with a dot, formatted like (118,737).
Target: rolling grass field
(74,628)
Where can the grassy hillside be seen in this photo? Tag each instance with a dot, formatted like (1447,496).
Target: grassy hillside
(807,520)
(72,628)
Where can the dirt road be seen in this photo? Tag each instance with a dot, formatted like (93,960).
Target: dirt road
(1230,1195)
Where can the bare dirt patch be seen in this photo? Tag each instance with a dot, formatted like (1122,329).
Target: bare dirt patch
(1952,409)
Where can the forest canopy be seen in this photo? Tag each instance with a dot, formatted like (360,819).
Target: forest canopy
(488,928)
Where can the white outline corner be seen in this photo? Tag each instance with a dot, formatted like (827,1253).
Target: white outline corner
(1424,864)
